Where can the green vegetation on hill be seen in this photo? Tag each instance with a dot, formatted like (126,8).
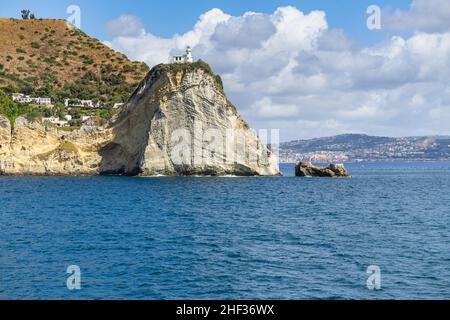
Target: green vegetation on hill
(188,67)
(12,110)
(51,58)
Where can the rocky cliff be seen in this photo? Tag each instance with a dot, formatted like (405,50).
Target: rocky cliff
(177,122)
(32,148)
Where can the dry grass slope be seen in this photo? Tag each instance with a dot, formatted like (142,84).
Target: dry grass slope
(54,55)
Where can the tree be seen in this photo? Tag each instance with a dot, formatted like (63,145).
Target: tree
(8,108)
(25,14)
(26,89)
(12,110)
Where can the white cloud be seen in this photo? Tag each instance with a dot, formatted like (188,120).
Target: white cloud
(125,25)
(288,70)
(154,50)
(423,15)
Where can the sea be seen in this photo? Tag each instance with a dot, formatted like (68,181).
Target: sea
(384,233)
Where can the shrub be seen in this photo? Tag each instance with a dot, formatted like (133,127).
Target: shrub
(144,67)
(50,60)
(218,81)
(20,50)
(129,68)
(114,79)
(86,59)
(33,115)
(35,45)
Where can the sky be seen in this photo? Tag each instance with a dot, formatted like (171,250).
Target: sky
(310,68)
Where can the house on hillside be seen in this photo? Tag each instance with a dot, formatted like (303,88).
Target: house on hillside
(56,120)
(184,58)
(77,103)
(22,98)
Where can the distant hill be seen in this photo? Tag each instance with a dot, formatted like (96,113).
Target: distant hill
(53,58)
(358,147)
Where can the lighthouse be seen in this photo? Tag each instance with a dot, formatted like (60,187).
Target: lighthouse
(185,58)
(188,55)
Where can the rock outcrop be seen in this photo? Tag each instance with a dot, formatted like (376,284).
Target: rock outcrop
(307,169)
(177,122)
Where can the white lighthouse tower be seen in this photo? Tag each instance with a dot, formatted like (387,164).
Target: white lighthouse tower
(185,58)
(188,55)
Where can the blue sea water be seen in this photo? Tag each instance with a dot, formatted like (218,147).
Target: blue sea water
(229,238)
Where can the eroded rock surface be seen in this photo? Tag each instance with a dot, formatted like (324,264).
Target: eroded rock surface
(307,169)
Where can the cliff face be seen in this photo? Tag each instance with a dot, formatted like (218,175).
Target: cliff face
(177,122)
(37,149)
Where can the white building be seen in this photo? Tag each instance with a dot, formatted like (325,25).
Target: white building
(22,98)
(56,120)
(80,103)
(185,58)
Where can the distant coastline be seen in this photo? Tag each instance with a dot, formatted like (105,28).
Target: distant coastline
(355,148)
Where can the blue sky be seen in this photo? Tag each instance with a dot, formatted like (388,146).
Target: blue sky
(165,18)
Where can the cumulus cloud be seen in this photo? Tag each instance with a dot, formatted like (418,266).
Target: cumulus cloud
(289,70)
(126,25)
(154,50)
(423,15)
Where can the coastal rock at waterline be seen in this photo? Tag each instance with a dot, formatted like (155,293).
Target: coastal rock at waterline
(307,169)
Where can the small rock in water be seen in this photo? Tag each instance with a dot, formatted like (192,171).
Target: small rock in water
(307,169)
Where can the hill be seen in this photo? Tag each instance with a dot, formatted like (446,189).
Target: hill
(358,147)
(51,57)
